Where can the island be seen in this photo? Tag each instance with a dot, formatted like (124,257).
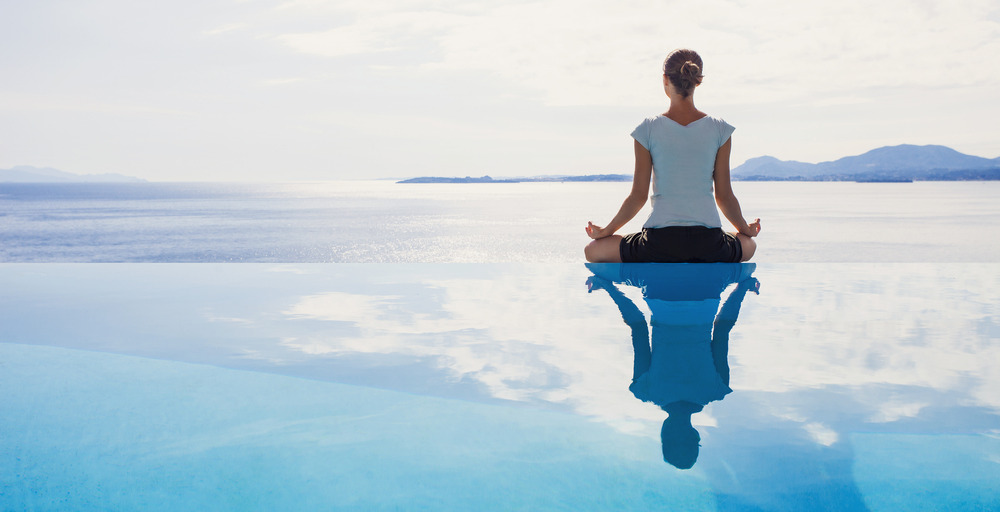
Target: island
(31,174)
(904,163)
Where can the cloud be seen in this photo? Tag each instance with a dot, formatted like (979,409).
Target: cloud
(350,40)
(229,27)
(898,329)
(283,81)
(526,336)
(339,307)
(600,53)
(808,81)
(822,434)
(374,31)
(478,330)
(13,102)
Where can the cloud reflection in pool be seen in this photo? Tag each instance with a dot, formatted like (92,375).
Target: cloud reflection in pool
(828,366)
(527,333)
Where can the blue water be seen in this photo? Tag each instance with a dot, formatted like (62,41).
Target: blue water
(482,366)
(380,222)
(199,223)
(842,386)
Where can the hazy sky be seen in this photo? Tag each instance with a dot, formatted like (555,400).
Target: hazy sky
(265,90)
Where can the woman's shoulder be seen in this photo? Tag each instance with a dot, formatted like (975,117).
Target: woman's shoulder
(660,124)
(708,119)
(718,121)
(643,133)
(651,120)
(721,127)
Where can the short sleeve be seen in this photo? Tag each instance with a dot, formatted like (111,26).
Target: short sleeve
(641,133)
(725,131)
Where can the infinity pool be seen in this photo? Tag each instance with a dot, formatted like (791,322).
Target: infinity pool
(499,387)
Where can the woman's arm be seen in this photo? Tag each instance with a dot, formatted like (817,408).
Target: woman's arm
(635,320)
(724,196)
(725,320)
(636,198)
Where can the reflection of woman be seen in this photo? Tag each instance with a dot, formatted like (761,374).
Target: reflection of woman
(685,152)
(686,365)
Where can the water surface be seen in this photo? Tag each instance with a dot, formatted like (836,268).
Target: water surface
(471,386)
(354,222)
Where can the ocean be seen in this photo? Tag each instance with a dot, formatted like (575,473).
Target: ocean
(386,222)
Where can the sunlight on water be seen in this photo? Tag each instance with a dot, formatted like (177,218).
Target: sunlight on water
(377,221)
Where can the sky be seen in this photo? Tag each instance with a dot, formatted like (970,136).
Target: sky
(280,90)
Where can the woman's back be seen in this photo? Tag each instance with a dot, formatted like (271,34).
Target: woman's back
(683,165)
(684,153)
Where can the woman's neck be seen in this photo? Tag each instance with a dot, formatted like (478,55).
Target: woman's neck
(683,111)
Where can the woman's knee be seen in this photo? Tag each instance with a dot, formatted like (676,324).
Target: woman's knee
(594,251)
(603,250)
(749,246)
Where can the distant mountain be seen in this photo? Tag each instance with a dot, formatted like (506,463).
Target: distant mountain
(905,162)
(771,167)
(29,174)
(891,163)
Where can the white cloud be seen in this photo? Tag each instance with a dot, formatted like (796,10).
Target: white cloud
(600,53)
(524,337)
(338,42)
(809,81)
(339,307)
(373,30)
(222,29)
(283,81)
(480,331)
(894,411)
(822,434)
(13,102)
(896,329)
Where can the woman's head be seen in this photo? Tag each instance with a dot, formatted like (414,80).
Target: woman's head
(683,69)
(681,443)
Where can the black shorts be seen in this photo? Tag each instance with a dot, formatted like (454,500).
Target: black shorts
(681,244)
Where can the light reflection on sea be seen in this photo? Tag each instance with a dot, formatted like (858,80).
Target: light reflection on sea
(378,221)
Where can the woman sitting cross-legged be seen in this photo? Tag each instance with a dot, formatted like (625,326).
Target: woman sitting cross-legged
(685,154)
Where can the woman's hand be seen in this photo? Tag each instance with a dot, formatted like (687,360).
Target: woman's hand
(597,232)
(598,283)
(751,284)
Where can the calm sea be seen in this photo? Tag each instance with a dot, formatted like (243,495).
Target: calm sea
(381,221)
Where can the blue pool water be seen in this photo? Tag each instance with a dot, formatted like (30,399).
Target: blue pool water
(844,386)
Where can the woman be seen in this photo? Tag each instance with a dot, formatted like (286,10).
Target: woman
(684,152)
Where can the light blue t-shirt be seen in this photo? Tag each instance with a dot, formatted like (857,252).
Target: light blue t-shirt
(682,366)
(683,164)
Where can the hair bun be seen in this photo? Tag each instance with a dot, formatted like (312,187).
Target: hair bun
(683,67)
(690,69)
